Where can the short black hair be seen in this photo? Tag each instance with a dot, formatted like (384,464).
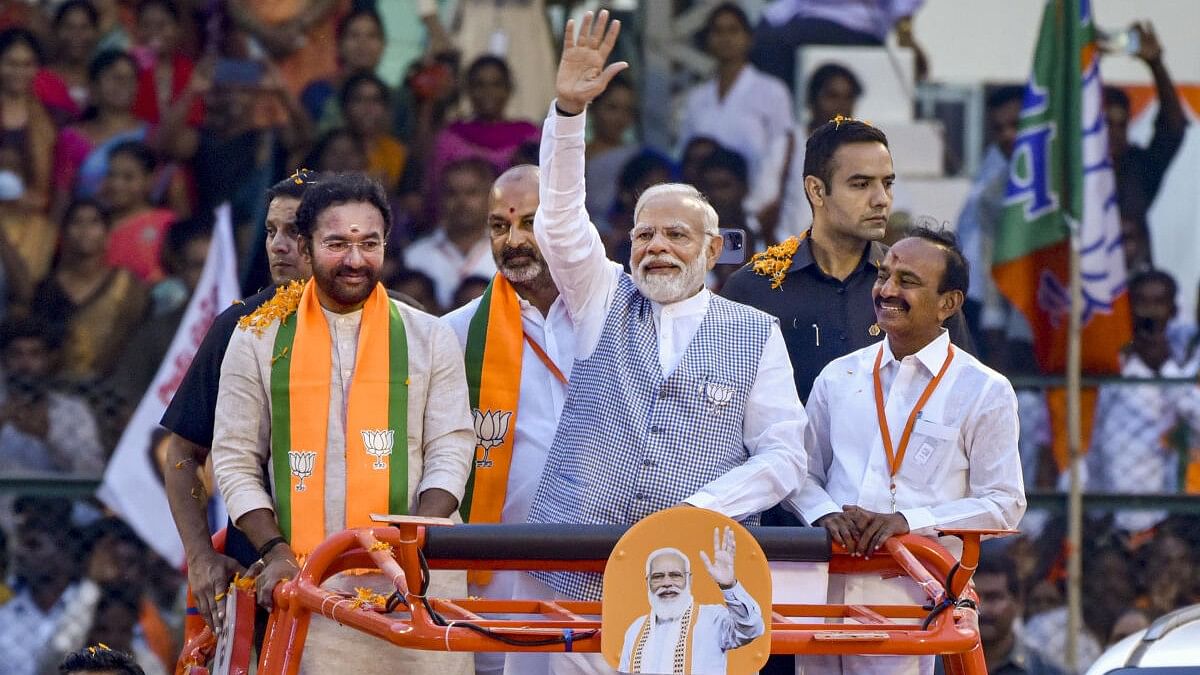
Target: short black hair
(825,141)
(729,160)
(620,81)
(336,190)
(179,235)
(826,72)
(83,203)
(730,8)
(1151,276)
(366,11)
(1000,563)
(139,151)
(111,528)
(476,165)
(1004,95)
(10,37)
(1116,96)
(641,165)
(84,6)
(956,276)
(490,60)
(326,139)
(404,275)
(293,186)
(100,659)
(167,6)
(107,59)
(28,328)
(356,80)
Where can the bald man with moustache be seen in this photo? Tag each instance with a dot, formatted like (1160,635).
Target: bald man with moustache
(519,344)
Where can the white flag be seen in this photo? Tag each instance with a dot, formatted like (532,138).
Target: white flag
(132,486)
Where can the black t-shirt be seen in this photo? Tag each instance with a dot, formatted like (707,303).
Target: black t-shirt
(193,410)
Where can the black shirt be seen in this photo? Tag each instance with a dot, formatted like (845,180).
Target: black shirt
(193,410)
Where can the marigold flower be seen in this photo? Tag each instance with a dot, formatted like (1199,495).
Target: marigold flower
(278,308)
(776,260)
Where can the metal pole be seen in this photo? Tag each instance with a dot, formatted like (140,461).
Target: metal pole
(1074,452)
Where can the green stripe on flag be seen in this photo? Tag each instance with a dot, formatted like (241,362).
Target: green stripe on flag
(397,412)
(281,422)
(476,343)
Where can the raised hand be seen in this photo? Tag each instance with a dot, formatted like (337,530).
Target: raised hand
(720,567)
(1149,49)
(582,75)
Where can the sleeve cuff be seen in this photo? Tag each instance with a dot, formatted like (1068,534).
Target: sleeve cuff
(239,505)
(822,509)
(567,127)
(704,500)
(920,518)
(443,479)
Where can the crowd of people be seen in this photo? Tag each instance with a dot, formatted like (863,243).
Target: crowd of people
(124,124)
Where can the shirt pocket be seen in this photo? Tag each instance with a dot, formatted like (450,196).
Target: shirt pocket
(720,397)
(929,449)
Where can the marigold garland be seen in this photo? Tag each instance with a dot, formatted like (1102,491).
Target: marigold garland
(775,261)
(381,546)
(368,599)
(279,307)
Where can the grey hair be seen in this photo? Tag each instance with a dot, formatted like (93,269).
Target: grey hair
(658,553)
(710,222)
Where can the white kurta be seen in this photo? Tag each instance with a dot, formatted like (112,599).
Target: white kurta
(962,468)
(756,110)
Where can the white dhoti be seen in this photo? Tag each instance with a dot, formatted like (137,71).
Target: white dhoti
(334,648)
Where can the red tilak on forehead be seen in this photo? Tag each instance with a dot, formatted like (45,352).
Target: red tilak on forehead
(512,210)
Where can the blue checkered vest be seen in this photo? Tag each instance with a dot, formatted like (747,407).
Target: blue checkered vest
(631,442)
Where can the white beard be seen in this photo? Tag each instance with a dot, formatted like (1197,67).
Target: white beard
(669,609)
(523,274)
(675,287)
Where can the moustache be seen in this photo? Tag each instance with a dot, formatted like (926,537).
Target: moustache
(527,251)
(900,301)
(669,259)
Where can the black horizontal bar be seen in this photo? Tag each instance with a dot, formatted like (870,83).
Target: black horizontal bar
(594,542)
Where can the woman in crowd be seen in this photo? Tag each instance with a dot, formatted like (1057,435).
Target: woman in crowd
(163,69)
(63,84)
(138,227)
(365,102)
(25,126)
(96,305)
(27,237)
(740,107)
(81,157)
(361,41)
(337,151)
(486,133)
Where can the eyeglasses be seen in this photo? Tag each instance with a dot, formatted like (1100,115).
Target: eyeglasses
(370,247)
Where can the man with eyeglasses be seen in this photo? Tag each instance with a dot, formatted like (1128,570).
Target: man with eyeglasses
(325,381)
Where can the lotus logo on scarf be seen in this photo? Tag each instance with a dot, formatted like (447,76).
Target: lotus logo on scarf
(301,462)
(719,395)
(378,443)
(490,429)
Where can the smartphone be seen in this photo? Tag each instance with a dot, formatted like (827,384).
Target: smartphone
(239,72)
(734,252)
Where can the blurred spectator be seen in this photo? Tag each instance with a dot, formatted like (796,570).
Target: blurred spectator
(164,70)
(487,133)
(97,659)
(337,151)
(414,30)
(360,43)
(416,285)
(612,115)
(27,237)
(1165,574)
(694,153)
(999,592)
(300,36)
(236,154)
(81,155)
(1132,621)
(645,169)
(112,27)
(460,246)
(519,33)
(96,305)
(62,84)
(472,287)
(724,180)
(27,127)
(365,102)
(1131,450)
(183,254)
(41,430)
(787,25)
(777,191)
(1139,171)
(741,108)
(45,575)
(138,227)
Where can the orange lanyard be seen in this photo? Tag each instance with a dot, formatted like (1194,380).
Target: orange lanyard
(541,354)
(895,459)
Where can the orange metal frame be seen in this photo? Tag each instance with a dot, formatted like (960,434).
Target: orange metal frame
(951,627)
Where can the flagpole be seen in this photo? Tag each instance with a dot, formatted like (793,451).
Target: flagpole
(1074,441)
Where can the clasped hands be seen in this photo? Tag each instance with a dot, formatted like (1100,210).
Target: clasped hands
(860,531)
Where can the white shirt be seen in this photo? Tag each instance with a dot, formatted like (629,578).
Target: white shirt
(874,17)
(1130,451)
(439,259)
(795,214)
(755,110)
(774,419)
(961,469)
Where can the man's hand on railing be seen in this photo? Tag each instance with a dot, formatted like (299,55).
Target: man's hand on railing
(209,574)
